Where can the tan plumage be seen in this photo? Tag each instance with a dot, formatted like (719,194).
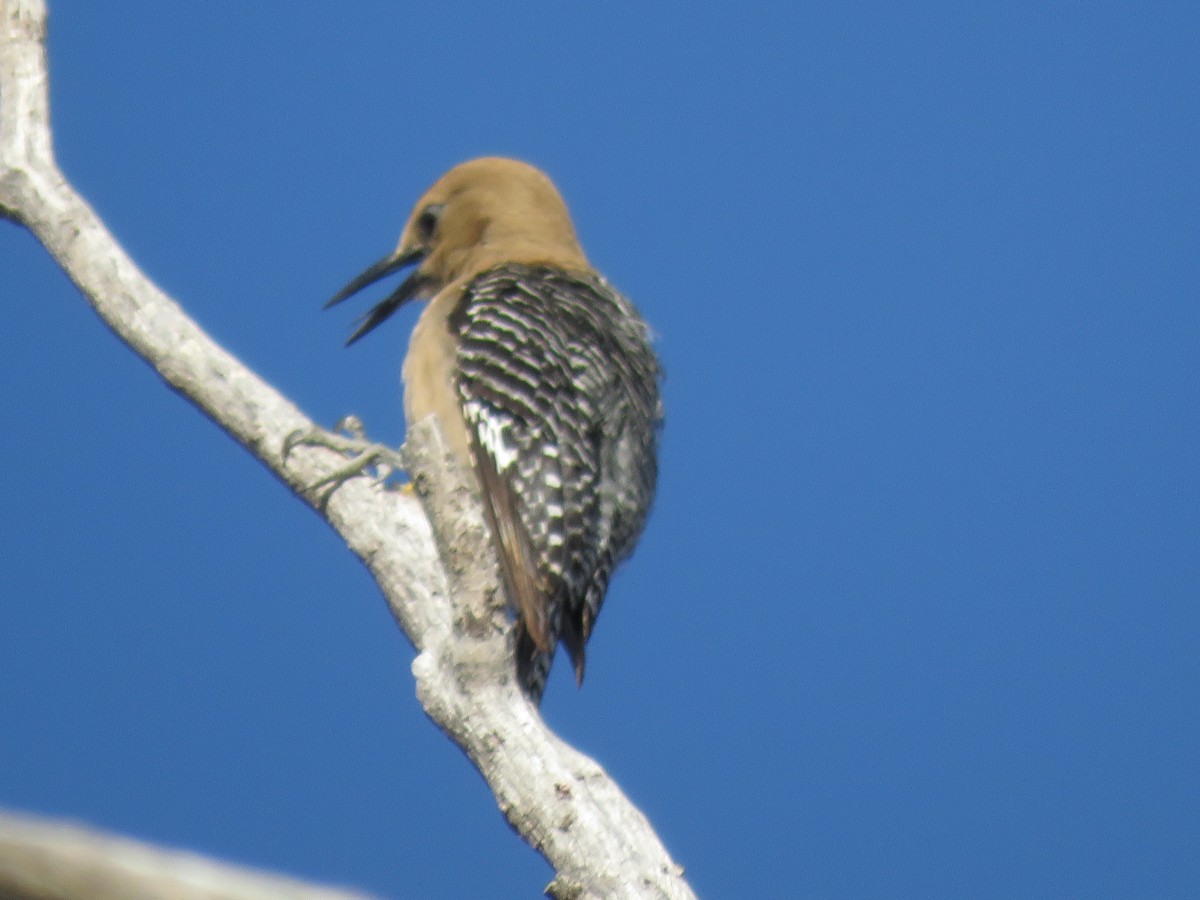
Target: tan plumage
(494,211)
(543,384)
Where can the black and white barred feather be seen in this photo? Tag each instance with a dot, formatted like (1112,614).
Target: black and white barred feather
(559,388)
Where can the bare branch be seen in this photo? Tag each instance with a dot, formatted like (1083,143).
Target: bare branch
(559,800)
(45,860)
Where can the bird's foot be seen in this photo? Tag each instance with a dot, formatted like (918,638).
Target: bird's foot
(376,461)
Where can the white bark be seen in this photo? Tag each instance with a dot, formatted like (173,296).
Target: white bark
(448,603)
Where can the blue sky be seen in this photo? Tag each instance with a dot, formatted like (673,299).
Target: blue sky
(916,613)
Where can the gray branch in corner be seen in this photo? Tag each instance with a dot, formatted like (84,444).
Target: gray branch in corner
(58,861)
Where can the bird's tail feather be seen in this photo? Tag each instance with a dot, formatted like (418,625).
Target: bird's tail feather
(533,664)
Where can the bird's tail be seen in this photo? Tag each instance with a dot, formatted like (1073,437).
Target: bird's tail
(533,664)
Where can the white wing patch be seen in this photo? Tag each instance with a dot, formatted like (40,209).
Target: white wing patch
(493,430)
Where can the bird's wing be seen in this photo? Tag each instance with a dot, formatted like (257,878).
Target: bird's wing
(494,439)
(547,383)
(515,386)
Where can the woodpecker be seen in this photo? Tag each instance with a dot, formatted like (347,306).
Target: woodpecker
(544,385)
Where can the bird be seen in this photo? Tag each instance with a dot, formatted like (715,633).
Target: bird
(544,385)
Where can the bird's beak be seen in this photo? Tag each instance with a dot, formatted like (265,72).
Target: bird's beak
(410,288)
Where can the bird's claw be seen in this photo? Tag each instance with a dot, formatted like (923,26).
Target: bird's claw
(347,438)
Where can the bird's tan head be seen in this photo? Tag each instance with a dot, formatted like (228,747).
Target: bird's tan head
(489,211)
(478,215)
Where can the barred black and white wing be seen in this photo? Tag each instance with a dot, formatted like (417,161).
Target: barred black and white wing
(559,391)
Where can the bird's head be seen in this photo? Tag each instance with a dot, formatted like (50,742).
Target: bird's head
(479,214)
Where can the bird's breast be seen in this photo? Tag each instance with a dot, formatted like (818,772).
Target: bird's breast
(429,374)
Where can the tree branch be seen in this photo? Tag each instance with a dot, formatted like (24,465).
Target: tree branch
(442,591)
(44,860)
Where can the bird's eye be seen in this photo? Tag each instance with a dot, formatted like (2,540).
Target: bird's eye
(428,220)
